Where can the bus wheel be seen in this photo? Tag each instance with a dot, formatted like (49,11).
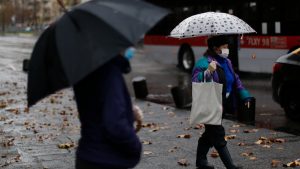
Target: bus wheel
(186,59)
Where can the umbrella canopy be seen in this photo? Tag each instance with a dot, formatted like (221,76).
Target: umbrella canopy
(210,23)
(85,38)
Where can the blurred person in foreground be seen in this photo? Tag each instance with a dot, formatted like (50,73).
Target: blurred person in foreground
(215,65)
(108,136)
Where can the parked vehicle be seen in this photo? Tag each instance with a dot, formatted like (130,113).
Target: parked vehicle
(286,83)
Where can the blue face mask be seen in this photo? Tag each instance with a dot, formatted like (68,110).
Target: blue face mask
(129,53)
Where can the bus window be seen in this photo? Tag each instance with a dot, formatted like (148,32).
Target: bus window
(264,28)
(277,27)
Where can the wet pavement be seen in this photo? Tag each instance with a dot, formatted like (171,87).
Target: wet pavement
(46,136)
(161,78)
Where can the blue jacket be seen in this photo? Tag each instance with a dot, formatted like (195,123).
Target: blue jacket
(108,137)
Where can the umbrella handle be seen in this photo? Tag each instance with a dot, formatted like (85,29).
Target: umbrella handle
(62,5)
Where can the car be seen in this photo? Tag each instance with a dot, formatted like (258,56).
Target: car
(286,83)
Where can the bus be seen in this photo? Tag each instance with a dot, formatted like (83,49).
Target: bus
(275,22)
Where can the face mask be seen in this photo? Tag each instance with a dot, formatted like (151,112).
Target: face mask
(129,53)
(224,53)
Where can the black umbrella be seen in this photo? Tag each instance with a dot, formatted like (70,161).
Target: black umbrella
(85,38)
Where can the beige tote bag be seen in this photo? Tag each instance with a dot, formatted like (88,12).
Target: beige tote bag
(207,103)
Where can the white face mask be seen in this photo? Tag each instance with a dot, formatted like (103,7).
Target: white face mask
(224,53)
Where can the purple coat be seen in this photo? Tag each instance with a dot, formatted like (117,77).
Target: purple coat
(200,70)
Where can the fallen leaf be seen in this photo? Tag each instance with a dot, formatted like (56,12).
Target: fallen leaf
(266,146)
(149,125)
(9,142)
(146,142)
(250,130)
(263,138)
(253,158)
(275,163)
(172,114)
(293,163)
(3,105)
(247,154)
(183,162)
(4,93)
(147,152)
(241,144)
(230,137)
(279,140)
(184,136)
(214,154)
(3,118)
(259,142)
(155,129)
(199,126)
(173,149)
(66,145)
(14,111)
(233,131)
(26,110)
(188,128)
(165,108)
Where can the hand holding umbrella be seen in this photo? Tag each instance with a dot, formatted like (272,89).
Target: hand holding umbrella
(138,117)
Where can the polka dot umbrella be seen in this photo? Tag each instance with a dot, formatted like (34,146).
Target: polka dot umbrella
(211,23)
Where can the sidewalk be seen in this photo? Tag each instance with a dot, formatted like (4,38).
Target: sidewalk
(45,137)
(31,139)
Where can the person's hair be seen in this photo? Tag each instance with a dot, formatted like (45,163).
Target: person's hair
(209,52)
(217,41)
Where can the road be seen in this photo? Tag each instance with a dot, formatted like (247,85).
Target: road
(160,78)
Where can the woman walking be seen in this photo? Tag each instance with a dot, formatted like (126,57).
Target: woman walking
(215,65)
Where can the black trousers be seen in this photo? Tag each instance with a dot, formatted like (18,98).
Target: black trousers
(83,164)
(213,136)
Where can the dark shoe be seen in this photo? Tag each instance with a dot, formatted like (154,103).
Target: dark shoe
(201,161)
(205,165)
(226,158)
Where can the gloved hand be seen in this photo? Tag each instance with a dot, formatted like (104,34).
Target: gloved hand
(212,66)
(138,117)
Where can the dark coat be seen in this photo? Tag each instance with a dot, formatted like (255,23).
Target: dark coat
(108,137)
